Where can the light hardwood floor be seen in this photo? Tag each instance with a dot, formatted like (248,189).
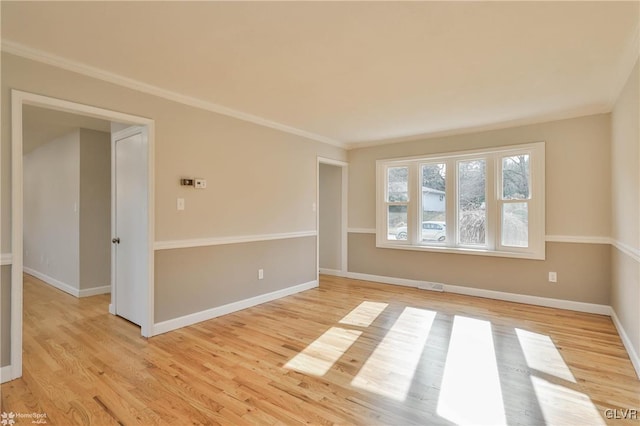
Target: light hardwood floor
(348,352)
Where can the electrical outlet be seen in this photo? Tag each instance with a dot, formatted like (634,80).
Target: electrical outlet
(201,183)
(260,274)
(553,277)
(180,203)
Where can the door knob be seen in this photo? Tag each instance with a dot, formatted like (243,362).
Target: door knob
(116,240)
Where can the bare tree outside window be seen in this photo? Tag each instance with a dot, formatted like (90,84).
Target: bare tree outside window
(472,202)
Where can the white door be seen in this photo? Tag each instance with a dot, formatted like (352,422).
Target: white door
(130,234)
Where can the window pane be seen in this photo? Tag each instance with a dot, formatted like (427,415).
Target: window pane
(515,224)
(433,202)
(397,223)
(471,202)
(398,184)
(516,177)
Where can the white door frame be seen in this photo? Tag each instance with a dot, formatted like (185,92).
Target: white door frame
(344,214)
(18,99)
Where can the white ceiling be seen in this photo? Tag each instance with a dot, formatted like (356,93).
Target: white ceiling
(352,72)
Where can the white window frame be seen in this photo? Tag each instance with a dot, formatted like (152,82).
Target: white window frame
(493,226)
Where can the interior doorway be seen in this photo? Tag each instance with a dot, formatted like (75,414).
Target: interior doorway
(331,216)
(20,100)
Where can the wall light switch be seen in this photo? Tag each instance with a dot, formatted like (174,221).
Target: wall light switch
(553,277)
(201,183)
(180,204)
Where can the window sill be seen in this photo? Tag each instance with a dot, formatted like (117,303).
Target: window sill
(460,250)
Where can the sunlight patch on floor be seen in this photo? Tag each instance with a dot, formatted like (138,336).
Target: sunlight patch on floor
(471,391)
(321,354)
(561,405)
(365,314)
(541,354)
(390,369)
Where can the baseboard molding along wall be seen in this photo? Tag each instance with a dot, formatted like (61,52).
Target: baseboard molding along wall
(85,292)
(184,321)
(591,308)
(333,272)
(633,355)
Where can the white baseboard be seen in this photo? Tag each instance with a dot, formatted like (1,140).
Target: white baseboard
(591,308)
(333,272)
(94,291)
(112,309)
(53,282)
(66,287)
(633,355)
(6,373)
(174,324)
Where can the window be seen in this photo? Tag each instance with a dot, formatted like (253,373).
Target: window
(487,202)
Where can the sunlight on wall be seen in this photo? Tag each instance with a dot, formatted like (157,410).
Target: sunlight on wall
(470,391)
(390,369)
(542,355)
(365,314)
(561,405)
(319,356)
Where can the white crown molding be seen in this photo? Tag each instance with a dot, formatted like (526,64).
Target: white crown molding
(97,73)
(577,239)
(519,122)
(184,321)
(632,252)
(633,355)
(216,241)
(6,259)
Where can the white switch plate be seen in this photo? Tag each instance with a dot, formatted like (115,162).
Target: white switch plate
(180,204)
(260,274)
(553,277)
(200,183)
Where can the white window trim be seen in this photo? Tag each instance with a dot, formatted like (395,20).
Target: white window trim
(536,248)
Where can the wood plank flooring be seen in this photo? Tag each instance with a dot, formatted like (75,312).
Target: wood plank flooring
(348,352)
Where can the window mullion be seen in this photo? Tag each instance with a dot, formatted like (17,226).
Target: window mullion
(451,203)
(491,187)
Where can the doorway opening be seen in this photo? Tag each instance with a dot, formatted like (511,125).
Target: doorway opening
(331,217)
(21,100)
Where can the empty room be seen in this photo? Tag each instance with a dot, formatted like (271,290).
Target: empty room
(367,213)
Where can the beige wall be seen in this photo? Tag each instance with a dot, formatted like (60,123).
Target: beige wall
(95,209)
(260,180)
(577,186)
(197,279)
(51,209)
(625,160)
(577,171)
(330,217)
(583,269)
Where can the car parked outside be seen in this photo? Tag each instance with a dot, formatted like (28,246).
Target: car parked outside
(431,231)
